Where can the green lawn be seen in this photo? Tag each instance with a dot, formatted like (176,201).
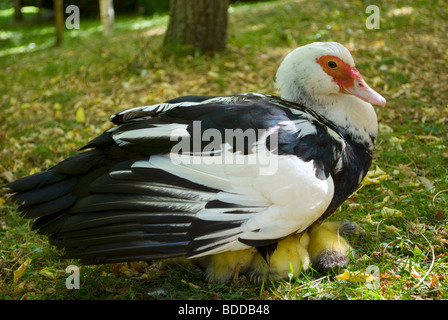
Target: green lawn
(401,210)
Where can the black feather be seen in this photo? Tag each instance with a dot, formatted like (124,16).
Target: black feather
(49,207)
(46,193)
(34,181)
(267,251)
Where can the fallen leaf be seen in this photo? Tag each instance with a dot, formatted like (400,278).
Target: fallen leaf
(80,115)
(415,274)
(20,288)
(387,212)
(406,170)
(384,128)
(375,176)
(435,281)
(25,106)
(428,137)
(48,291)
(49,273)
(392,229)
(190,284)
(57,110)
(382,203)
(356,276)
(431,111)
(395,140)
(213,74)
(344,276)
(21,270)
(369,219)
(429,185)
(353,206)
(416,227)
(414,183)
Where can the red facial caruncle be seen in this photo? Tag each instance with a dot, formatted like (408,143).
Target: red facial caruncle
(349,79)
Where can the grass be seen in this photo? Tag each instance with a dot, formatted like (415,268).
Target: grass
(402,216)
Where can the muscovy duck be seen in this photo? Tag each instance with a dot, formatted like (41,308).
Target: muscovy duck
(236,182)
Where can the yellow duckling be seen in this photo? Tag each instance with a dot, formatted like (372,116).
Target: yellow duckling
(322,246)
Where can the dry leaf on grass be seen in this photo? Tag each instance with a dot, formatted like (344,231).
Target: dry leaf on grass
(356,276)
(80,115)
(21,270)
(375,176)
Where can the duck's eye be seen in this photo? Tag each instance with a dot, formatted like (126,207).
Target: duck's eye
(332,64)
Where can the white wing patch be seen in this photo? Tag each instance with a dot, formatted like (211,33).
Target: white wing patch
(297,199)
(272,206)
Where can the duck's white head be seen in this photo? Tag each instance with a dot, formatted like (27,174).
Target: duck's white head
(322,70)
(323,76)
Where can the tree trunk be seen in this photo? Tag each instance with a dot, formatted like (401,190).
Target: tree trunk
(58,19)
(18,10)
(107,14)
(39,13)
(198,23)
